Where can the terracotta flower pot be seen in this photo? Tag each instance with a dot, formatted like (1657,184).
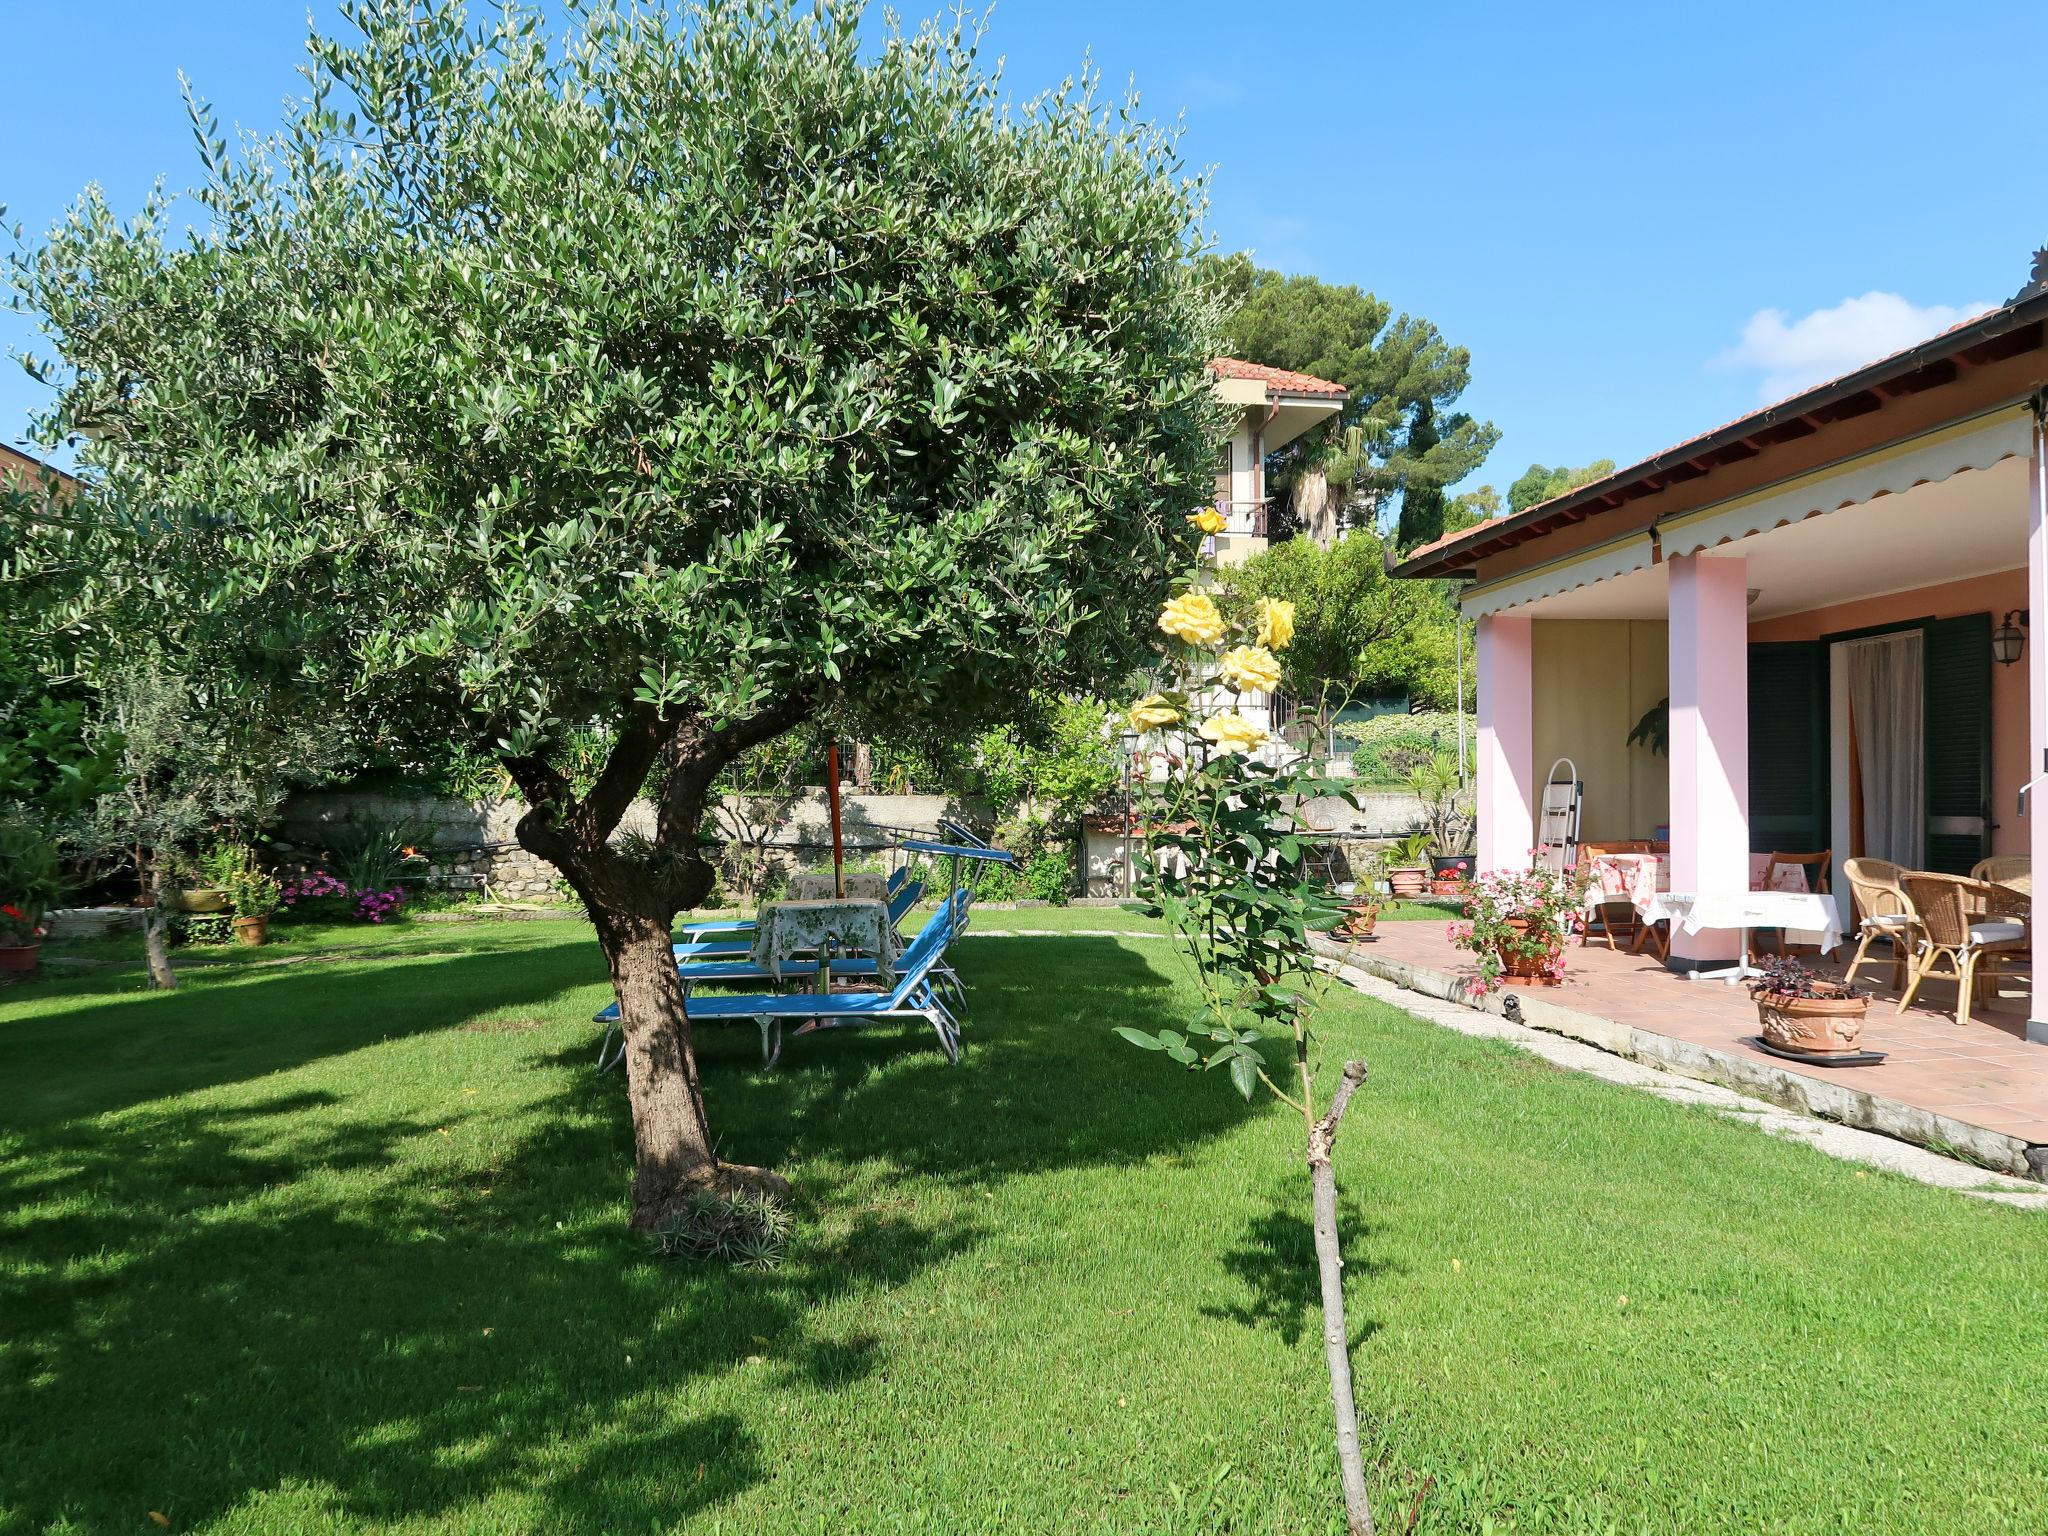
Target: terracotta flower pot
(1526,970)
(251,931)
(19,958)
(1446,885)
(1820,1026)
(1359,922)
(1408,882)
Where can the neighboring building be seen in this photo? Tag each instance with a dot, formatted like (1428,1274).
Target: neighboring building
(19,472)
(1276,407)
(1833,593)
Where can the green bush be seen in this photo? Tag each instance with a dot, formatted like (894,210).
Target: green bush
(1388,748)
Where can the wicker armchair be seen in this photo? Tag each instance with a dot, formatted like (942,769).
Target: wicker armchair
(2013,871)
(1971,925)
(1884,911)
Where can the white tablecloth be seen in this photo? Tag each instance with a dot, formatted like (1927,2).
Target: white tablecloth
(1806,918)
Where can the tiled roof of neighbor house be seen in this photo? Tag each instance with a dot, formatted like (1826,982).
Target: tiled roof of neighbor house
(19,472)
(2014,326)
(1277,378)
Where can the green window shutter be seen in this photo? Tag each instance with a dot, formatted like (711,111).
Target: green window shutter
(1958,674)
(1788,747)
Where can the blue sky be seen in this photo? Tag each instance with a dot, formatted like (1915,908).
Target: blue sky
(1642,220)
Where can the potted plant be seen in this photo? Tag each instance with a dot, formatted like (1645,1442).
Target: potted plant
(1516,923)
(1447,818)
(1408,865)
(1448,873)
(253,895)
(1804,1012)
(31,878)
(210,876)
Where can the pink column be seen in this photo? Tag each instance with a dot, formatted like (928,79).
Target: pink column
(2037,715)
(1506,803)
(1709,604)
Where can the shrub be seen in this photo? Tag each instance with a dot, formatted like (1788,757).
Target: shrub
(1388,748)
(1049,876)
(205,930)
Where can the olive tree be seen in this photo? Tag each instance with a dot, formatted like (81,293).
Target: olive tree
(679,376)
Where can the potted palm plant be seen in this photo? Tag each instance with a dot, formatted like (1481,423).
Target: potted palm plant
(1804,1012)
(31,878)
(1408,864)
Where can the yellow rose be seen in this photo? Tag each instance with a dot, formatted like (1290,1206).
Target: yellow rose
(1251,666)
(1151,712)
(1276,623)
(1232,732)
(1209,520)
(1192,617)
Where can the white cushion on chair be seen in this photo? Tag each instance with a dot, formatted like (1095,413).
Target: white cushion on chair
(1884,920)
(1996,933)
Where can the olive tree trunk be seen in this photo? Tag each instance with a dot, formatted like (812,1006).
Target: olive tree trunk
(156,922)
(633,899)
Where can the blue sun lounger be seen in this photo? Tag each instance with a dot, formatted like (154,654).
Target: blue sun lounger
(926,988)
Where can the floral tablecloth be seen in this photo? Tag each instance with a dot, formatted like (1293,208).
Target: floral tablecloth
(800,930)
(1627,877)
(1637,877)
(864,887)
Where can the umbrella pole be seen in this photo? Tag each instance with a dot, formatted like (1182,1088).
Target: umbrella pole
(838,838)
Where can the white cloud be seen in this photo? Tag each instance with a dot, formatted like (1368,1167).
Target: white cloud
(1796,354)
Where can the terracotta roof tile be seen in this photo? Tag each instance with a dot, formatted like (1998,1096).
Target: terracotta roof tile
(1279,378)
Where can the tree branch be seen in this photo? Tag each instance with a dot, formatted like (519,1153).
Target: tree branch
(641,738)
(1322,1136)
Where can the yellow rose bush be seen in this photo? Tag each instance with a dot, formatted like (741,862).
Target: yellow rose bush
(1250,668)
(1228,867)
(1193,618)
(1276,623)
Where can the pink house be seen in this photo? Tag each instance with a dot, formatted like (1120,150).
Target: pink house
(1832,594)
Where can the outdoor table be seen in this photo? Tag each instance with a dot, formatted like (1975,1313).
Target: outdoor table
(1627,877)
(865,887)
(857,925)
(1794,911)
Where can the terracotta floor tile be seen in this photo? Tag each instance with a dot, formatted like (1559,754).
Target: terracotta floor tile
(1983,1073)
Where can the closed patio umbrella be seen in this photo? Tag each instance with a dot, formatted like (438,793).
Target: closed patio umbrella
(838,837)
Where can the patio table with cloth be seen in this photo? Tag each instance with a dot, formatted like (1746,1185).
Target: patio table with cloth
(824,929)
(1627,877)
(866,886)
(1805,917)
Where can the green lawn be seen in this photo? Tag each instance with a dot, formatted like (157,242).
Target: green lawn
(337,1245)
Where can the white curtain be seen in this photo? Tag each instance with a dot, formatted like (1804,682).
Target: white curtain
(1887,704)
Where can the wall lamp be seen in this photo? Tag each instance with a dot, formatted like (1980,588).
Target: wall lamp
(2009,640)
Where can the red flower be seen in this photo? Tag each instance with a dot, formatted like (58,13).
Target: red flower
(11,910)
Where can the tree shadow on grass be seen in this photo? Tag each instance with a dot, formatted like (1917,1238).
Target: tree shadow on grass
(285,1297)
(222,1027)
(1276,1261)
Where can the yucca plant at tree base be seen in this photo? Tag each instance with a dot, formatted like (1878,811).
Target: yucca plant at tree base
(674,380)
(1227,867)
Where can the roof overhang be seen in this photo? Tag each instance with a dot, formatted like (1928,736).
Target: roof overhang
(1945,362)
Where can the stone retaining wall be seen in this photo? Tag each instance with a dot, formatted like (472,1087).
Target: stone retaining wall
(475,845)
